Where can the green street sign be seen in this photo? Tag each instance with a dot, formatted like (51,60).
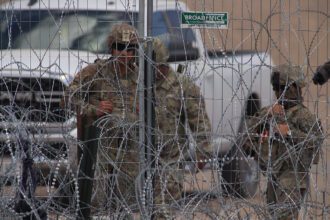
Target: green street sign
(204,19)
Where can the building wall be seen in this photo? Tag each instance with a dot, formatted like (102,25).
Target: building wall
(292,32)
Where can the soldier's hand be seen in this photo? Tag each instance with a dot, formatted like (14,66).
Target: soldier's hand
(277,109)
(282,129)
(322,74)
(104,107)
(264,136)
(319,78)
(200,165)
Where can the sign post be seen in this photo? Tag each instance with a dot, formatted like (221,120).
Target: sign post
(204,20)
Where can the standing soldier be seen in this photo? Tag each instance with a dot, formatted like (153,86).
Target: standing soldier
(103,96)
(285,138)
(179,107)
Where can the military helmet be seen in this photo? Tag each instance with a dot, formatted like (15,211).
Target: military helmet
(286,74)
(123,33)
(160,50)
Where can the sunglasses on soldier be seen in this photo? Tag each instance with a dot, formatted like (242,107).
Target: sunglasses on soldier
(278,87)
(121,47)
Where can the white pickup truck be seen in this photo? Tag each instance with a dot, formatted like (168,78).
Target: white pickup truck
(44,43)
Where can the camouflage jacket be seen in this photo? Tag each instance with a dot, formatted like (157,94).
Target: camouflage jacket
(179,106)
(102,81)
(303,141)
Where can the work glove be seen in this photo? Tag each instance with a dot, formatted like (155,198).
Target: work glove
(321,75)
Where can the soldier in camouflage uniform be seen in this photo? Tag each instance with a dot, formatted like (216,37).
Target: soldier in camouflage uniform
(103,94)
(178,106)
(285,138)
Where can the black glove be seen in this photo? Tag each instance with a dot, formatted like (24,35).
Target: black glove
(322,74)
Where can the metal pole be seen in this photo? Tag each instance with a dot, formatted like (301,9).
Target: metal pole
(141,87)
(150,116)
(86,170)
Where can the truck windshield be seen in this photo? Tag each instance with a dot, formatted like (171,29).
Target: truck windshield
(41,29)
(87,30)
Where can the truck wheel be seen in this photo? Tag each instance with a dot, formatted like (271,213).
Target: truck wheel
(240,174)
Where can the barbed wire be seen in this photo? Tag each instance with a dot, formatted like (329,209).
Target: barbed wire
(41,158)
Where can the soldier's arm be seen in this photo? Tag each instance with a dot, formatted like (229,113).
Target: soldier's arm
(307,129)
(77,97)
(197,118)
(308,133)
(258,123)
(254,128)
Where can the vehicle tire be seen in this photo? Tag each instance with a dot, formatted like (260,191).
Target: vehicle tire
(240,174)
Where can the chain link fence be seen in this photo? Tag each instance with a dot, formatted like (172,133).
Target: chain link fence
(191,149)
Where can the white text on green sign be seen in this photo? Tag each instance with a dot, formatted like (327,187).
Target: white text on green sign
(204,19)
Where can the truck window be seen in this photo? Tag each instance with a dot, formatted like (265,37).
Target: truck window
(41,29)
(181,42)
(88,30)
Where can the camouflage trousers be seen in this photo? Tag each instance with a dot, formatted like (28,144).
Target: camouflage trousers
(119,194)
(288,179)
(284,203)
(286,190)
(118,182)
